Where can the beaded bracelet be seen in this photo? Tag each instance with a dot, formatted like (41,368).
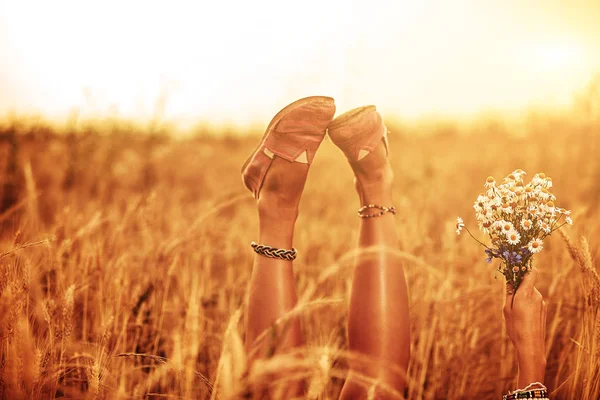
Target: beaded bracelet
(272,252)
(530,394)
(534,390)
(382,211)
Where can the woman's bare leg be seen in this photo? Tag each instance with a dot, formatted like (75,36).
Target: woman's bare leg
(378,324)
(272,289)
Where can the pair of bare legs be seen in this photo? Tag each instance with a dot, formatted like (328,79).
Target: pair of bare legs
(378,322)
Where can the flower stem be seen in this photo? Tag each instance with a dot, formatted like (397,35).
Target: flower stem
(557,228)
(474,238)
(556,222)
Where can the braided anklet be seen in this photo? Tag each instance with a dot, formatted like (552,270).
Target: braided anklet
(382,211)
(272,252)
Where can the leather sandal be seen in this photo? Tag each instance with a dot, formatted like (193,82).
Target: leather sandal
(358,132)
(294,134)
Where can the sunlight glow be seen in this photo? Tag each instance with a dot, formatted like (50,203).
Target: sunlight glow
(237,61)
(560,57)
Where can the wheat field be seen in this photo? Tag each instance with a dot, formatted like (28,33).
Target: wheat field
(125,258)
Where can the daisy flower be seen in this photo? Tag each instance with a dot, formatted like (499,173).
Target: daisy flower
(538,179)
(544,194)
(535,246)
(481,203)
(486,214)
(507,227)
(513,237)
(497,227)
(526,224)
(547,195)
(529,192)
(484,227)
(490,182)
(545,227)
(569,220)
(518,173)
(459,225)
(506,208)
(549,207)
(512,192)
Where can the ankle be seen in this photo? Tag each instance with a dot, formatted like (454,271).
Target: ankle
(274,206)
(380,175)
(376,187)
(277,225)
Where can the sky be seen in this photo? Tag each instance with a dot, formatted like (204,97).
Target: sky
(241,61)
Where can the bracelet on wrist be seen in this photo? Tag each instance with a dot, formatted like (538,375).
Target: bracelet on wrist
(534,390)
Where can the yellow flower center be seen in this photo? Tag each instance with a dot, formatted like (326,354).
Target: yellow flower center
(490,179)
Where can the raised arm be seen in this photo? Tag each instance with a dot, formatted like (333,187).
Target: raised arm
(525,316)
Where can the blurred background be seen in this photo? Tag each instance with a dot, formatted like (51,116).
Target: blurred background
(236,62)
(125,228)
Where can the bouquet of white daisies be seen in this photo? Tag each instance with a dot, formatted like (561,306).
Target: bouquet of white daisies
(517,217)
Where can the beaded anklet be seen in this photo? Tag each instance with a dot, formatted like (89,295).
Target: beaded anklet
(530,394)
(272,252)
(383,210)
(535,390)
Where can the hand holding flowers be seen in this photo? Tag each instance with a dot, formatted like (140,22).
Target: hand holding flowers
(525,317)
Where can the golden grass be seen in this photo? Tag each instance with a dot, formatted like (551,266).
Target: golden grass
(124,261)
